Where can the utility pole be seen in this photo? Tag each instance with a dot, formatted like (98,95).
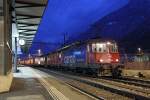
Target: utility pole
(15,56)
(65,38)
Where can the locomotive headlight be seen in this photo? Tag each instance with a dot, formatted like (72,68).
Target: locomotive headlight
(117,60)
(101,60)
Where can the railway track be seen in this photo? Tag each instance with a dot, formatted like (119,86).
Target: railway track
(130,82)
(128,87)
(116,88)
(98,93)
(136,80)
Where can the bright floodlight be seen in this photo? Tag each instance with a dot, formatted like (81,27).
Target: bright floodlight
(22,42)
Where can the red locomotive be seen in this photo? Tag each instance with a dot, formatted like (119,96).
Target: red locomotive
(95,56)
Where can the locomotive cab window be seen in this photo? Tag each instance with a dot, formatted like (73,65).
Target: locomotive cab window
(93,47)
(113,48)
(99,47)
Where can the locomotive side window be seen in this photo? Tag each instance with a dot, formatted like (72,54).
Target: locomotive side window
(101,47)
(95,49)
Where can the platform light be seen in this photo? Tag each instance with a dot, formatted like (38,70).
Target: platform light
(108,43)
(19,59)
(39,52)
(22,42)
(29,55)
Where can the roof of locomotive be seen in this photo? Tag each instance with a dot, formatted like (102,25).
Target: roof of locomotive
(100,40)
(81,43)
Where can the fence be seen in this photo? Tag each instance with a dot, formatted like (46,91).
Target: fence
(135,61)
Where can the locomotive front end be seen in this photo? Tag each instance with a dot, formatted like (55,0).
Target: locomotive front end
(105,52)
(105,55)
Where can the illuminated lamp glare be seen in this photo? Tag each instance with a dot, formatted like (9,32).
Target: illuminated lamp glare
(117,60)
(22,42)
(108,43)
(39,62)
(139,49)
(39,52)
(101,60)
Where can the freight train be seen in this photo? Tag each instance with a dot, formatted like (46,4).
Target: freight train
(93,57)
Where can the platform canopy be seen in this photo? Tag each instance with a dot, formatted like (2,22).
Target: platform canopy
(27,15)
(67,21)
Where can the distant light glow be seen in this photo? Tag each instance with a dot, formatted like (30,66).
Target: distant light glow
(29,55)
(139,49)
(39,52)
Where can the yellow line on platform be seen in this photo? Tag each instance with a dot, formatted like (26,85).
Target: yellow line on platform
(56,95)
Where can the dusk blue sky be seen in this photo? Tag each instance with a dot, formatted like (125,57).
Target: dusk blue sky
(76,18)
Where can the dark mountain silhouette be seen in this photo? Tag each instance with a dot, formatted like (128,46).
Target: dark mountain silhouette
(129,26)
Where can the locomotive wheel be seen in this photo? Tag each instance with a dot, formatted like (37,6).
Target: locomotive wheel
(116,72)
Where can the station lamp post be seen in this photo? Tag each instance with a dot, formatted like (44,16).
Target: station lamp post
(21,42)
(15,56)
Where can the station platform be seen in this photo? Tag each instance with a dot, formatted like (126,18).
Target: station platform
(25,86)
(33,84)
